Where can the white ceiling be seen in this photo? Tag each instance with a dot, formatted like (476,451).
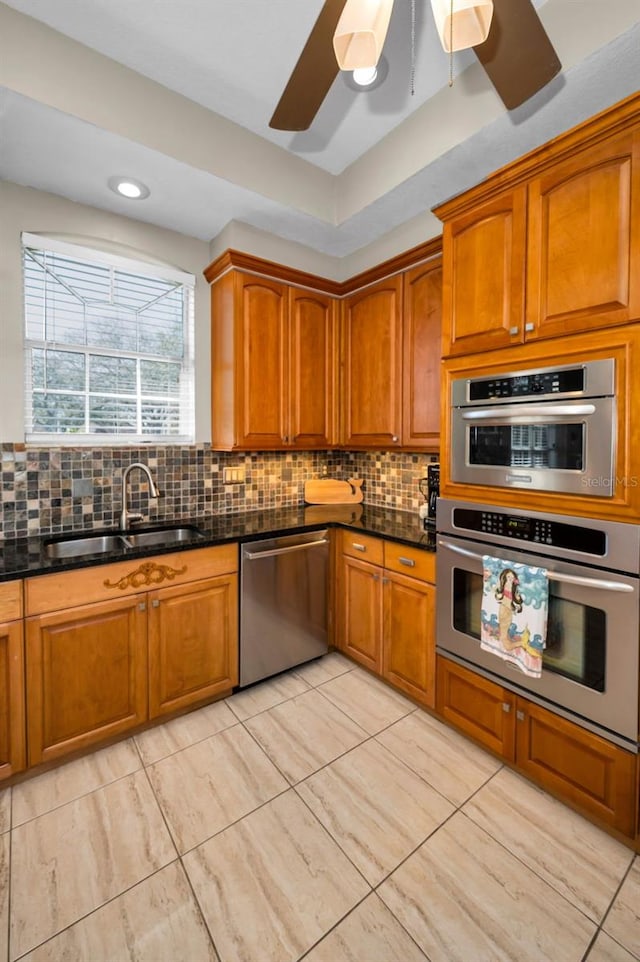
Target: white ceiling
(370,162)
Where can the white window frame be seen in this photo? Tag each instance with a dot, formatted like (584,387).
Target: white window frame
(186,400)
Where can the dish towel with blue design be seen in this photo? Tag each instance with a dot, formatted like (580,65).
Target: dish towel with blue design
(515,602)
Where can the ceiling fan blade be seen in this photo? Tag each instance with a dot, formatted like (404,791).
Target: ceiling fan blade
(313,74)
(517,55)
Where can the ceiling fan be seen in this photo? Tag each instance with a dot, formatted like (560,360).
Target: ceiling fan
(517,56)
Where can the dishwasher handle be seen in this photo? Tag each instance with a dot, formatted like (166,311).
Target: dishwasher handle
(273,552)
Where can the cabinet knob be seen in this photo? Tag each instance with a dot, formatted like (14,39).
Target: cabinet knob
(528,326)
(513,331)
(155,603)
(506,707)
(520,715)
(385,581)
(142,606)
(395,437)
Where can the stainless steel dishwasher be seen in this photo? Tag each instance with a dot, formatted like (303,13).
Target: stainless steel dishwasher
(283,603)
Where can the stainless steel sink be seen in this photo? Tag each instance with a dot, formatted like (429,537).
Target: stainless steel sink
(77,547)
(163,536)
(101,543)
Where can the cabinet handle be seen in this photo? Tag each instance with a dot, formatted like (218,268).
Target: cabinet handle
(506,707)
(409,562)
(520,715)
(528,326)
(142,606)
(155,603)
(357,546)
(513,331)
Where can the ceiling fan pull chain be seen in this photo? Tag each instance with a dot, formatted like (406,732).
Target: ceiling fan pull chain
(413,48)
(451,45)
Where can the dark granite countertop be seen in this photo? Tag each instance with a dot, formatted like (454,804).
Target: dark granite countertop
(25,557)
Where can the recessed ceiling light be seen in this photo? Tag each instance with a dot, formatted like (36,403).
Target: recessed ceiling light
(364,76)
(129,187)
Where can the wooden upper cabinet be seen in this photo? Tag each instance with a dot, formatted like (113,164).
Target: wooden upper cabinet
(312,356)
(422,332)
(261,375)
(372,366)
(483,284)
(583,238)
(550,244)
(272,365)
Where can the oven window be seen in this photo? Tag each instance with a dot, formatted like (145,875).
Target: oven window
(576,633)
(550,446)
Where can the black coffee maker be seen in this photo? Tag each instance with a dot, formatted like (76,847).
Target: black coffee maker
(430,488)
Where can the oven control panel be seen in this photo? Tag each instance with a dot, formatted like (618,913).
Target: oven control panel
(531,530)
(533,386)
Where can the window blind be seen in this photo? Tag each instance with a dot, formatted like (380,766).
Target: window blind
(109,347)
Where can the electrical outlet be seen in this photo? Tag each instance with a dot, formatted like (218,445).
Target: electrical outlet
(234,475)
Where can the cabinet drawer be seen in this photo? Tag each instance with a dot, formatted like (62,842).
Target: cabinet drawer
(363,546)
(67,589)
(414,562)
(10,600)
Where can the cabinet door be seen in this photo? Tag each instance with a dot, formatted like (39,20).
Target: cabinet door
(422,334)
(584,240)
(260,359)
(86,675)
(577,765)
(12,720)
(408,647)
(193,643)
(477,706)
(312,390)
(372,357)
(361,612)
(483,284)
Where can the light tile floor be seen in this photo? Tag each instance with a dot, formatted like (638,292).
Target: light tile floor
(319,815)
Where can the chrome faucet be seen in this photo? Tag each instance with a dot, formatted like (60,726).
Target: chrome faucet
(127,516)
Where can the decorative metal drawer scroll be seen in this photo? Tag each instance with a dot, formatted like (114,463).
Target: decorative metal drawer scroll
(148,573)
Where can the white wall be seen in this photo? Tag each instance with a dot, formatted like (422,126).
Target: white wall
(25,209)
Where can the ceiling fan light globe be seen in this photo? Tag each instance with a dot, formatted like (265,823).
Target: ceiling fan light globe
(359,37)
(469,23)
(365,76)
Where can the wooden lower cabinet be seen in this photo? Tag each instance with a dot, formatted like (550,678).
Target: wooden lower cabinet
(86,675)
(361,621)
(386,619)
(193,643)
(12,720)
(408,650)
(134,652)
(589,772)
(583,768)
(478,707)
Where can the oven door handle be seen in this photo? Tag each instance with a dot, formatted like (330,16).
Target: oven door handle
(501,413)
(553,575)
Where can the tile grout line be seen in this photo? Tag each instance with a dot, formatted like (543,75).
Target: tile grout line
(606,914)
(545,881)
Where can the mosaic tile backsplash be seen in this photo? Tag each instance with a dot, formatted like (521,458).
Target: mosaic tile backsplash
(53,490)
